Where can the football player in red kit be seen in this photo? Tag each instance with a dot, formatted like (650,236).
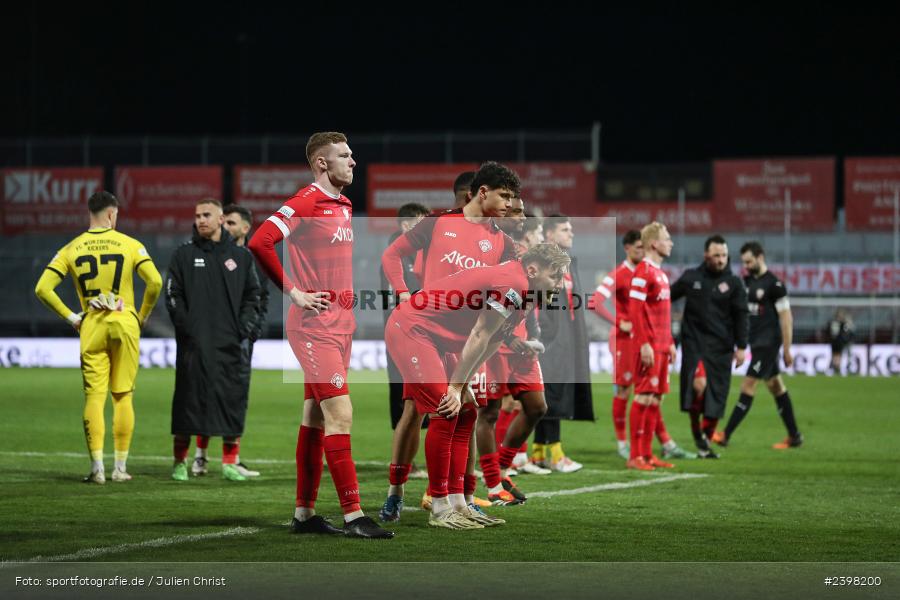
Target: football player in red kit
(452,241)
(316,222)
(440,337)
(649,308)
(625,355)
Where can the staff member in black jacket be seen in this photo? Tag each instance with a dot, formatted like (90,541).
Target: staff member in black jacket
(212,295)
(564,363)
(714,330)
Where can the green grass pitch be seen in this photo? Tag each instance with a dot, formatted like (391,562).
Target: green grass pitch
(834,499)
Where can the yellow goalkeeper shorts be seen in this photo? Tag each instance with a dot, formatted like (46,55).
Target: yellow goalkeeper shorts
(109,351)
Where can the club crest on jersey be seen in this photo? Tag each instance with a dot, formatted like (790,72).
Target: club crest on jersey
(759,294)
(654,381)
(627,375)
(230,264)
(485,245)
(342,234)
(723,287)
(337,380)
(346,214)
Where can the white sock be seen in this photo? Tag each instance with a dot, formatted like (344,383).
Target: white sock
(121,459)
(440,505)
(457,501)
(353,515)
(622,444)
(670,445)
(237,459)
(395,490)
(301,513)
(496,489)
(470,499)
(200,453)
(520,457)
(96,466)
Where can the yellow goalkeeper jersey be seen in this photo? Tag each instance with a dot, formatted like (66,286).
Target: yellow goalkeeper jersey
(102,260)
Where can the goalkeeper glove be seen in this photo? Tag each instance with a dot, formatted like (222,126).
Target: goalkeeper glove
(107,302)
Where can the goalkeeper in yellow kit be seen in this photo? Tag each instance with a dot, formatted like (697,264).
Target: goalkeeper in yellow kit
(101,262)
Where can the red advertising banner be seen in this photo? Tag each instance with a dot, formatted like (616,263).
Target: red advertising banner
(263,189)
(634,215)
(569,188)
(162,199)
(750,194)
(870,188)
(47,199)
(833,279)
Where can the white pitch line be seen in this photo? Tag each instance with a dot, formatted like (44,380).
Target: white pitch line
(84,455)
(88,553)
(618,485)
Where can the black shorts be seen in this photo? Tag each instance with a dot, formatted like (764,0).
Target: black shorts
(764,362)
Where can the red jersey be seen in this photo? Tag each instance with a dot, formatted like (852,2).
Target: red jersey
(319,231)
(649,306)
(449,243)
(618,284)
(447,309)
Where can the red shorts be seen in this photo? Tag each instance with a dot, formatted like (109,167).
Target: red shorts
(522,374)
(625,360)
(421,365)
(324,358)
(700,373)
(655,379)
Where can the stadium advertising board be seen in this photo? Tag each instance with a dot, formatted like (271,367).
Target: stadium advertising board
(47,199)
(878,360)
(750,194)
(162,199)
(634,215)
(834,279)
(870,188)
(264,189)
(560,187)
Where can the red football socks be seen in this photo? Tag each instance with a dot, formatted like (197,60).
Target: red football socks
(438,442)
(506,456)
(343,470)
(620,407)
(651,416)
(399,474)
(490,466)
(459,453)
(181,445)
(309,465)
(230,449)
(636,427)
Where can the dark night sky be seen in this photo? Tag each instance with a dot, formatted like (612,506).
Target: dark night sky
(666,88)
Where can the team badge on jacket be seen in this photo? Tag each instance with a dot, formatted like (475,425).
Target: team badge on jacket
(230,264)
(723,287)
